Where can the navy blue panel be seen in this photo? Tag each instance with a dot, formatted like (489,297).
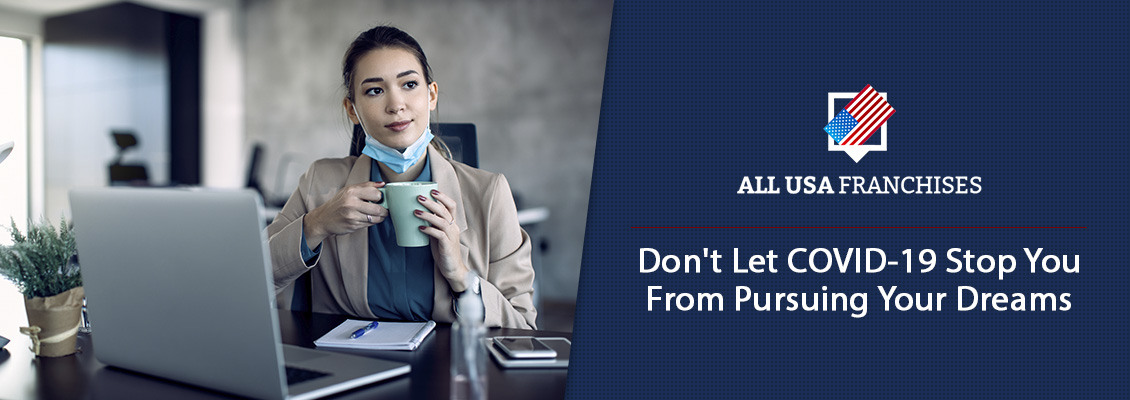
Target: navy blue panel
(1031,98)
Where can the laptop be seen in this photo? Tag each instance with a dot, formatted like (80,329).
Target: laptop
(178,285)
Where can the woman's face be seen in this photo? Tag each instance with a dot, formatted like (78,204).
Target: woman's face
(391,96)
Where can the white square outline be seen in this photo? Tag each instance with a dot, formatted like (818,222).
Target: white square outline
(832,146)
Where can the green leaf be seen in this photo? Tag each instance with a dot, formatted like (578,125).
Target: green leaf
(38,261)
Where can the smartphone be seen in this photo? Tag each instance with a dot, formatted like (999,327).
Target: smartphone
(524,347)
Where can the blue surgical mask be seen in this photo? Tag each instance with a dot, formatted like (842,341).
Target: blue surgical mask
(392,158)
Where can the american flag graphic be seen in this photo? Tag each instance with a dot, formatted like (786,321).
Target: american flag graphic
(866,112)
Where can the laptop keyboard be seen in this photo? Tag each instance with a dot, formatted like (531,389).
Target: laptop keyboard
(295,376)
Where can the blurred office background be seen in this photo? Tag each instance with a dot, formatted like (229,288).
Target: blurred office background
(180,92)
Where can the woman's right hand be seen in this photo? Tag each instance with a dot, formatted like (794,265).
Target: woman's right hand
(352,208)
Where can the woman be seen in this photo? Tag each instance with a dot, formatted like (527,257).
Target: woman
(332,229)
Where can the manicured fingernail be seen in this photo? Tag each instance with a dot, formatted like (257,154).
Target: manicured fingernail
(422,227)
(418,212)
(435,192)
(421,198)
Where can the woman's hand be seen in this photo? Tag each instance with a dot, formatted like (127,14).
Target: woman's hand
(444,235)
(351,209)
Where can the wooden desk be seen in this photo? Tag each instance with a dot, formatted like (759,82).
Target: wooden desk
(81,376)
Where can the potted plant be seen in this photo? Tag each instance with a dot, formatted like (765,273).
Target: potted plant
(44,266)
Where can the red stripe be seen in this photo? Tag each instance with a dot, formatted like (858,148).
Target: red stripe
(871,107)
(870,126)
(859,125)
(877,127)
(860,100)
(859,227)
(865,130)
(856,96)
(865,117)
(866,104)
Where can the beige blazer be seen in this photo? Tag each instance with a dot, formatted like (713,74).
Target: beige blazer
(493,244)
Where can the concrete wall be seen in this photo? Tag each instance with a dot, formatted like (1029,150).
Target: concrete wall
(529,75)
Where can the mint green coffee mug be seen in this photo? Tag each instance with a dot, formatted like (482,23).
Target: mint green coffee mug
(400,200)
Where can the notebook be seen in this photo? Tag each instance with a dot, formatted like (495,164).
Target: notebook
(179,285)
(386,336)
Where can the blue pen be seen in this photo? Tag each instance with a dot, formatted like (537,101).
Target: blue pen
(361,332)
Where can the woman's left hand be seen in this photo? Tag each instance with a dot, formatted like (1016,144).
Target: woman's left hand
(444,233)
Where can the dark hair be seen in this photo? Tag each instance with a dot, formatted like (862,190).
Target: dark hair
(375,39)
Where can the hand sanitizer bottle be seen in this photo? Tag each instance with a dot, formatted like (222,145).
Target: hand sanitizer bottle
(468,352)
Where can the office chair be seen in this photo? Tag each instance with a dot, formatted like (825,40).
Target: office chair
(253,170)
(122,174)
(460,139)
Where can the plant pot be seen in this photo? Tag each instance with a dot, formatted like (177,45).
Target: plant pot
(54,322)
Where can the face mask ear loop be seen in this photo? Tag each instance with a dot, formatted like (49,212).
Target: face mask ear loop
(359,121)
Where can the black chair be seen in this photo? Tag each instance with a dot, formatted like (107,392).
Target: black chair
(459,138)
(123,174)
(253,169)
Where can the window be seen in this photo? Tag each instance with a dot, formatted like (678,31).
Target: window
(13,128)
(14,169)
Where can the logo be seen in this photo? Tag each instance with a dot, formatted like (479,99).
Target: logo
(849,130)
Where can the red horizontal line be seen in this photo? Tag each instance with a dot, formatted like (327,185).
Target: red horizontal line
(859,227)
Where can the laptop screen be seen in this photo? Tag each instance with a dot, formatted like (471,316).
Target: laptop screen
(178,285)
